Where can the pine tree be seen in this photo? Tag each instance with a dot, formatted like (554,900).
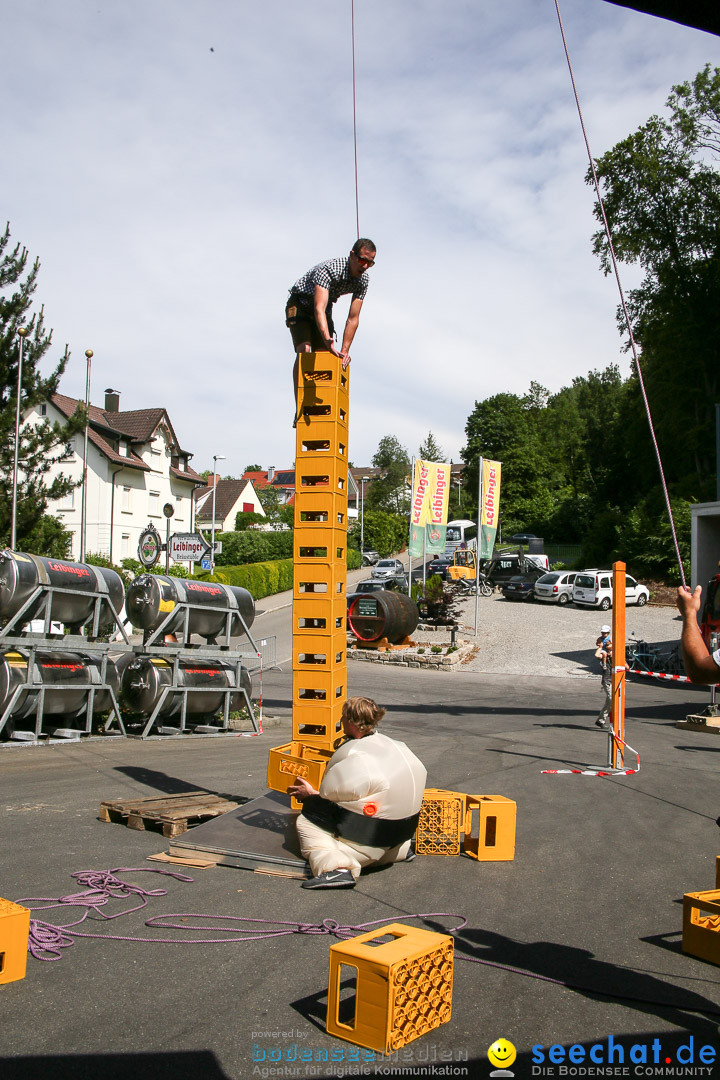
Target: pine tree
(36,531)
(430,451)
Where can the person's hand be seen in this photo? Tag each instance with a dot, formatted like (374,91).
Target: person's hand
(301,789)
(345,360)
(688,603)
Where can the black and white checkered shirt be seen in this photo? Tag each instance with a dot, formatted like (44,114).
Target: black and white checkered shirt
(333,275)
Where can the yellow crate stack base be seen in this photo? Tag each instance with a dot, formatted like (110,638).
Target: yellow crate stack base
(403,986)
(442,818)
(14,933)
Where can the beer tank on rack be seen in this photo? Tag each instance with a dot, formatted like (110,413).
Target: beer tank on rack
(146,677)
(153,598)
(21,575)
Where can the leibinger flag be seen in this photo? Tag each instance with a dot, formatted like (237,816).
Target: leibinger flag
(490,507)
(429,507)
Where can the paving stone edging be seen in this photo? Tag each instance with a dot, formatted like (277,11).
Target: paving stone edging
(410,658)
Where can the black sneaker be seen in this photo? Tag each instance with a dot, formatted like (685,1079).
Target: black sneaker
(601,723)
(331,879)
(412,853)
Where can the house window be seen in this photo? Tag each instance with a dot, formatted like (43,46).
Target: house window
(248,508)
(43,410)
(123,448)
(126,500)
(125,546)
(154,503)
(68,501)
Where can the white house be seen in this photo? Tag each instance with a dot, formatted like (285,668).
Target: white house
(231,498)
(135,468)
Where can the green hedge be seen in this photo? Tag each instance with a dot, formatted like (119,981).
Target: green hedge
(252,546)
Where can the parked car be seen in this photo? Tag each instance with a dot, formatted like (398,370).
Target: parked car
(520,587)
(439,566)
(555,587)
(505,565)
(593,588)
(369,558)
(387,568)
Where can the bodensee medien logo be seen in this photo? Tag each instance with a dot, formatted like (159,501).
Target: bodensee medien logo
(612,1058)
(501,1054)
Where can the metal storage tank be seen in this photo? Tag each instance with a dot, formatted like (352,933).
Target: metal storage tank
(21,574)
(152,597)
(145,678)
(50,669)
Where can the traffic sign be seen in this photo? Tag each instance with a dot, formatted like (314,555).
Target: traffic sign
(187,547)
(206,564)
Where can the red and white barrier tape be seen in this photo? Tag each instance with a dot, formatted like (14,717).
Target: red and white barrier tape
(601,772)
(661,675)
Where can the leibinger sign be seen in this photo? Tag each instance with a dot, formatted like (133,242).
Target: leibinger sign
(431,490)
(613,1058)
(489,511)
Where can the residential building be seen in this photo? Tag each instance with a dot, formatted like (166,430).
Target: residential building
(231,497)
(135,468)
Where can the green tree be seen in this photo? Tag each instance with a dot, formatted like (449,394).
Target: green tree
(390,491)
(252,468)
(276,512)
(661,190)
(430,451)
(36,531)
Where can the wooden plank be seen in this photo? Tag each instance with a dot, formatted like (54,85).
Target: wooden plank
(199,864)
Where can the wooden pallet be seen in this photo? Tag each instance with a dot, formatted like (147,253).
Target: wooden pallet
(173,813)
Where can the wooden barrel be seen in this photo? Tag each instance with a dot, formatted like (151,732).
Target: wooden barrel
(382,614)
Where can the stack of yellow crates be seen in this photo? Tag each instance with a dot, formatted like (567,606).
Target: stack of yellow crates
(320,572)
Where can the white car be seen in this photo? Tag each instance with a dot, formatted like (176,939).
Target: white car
(556,587)
(593,588)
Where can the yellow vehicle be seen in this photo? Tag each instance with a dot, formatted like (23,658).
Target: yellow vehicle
(463,566)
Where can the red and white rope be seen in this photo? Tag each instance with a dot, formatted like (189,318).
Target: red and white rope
(600,772)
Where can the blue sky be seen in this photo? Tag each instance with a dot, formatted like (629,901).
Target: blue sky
(176,165)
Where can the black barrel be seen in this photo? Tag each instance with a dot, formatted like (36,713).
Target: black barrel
(21,574)
(152,597)
(383,614)
(75,670)
(144,680)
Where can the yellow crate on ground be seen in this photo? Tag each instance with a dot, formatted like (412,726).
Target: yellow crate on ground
(390,986)
(701,925)
(14,933)
(490,828)
(442,819)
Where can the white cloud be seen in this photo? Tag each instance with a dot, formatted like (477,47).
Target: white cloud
(176,166)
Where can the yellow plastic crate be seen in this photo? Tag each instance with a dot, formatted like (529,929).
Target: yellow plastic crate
(295,759)
(701,925)
(390,986)
(442,819)
(14,933)
(494,838)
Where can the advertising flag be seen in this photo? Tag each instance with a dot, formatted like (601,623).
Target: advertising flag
(429,507)
(489,508)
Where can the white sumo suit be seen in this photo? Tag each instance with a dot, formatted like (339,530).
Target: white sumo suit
(367,809)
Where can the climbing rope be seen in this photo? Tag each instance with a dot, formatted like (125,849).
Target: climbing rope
(626,313)
(46,940)
(357,197)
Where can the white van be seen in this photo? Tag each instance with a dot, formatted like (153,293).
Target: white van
(593,588)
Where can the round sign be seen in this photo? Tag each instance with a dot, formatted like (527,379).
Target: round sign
(168,510)
(149,546)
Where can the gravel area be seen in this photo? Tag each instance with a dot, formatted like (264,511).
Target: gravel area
(530,638)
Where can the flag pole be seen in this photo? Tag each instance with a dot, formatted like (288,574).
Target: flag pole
(479,541)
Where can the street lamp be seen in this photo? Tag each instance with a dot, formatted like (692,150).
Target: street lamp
(83,503)
(22,331)
(216,458)
(459,482)
(363,482)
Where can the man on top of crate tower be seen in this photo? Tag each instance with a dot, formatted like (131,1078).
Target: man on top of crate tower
(308,312)
(701,666)
(367,809)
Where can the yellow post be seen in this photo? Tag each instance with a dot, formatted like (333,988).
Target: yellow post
(617,712)
(320,569)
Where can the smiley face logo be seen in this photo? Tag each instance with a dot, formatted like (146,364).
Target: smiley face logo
(502,1053)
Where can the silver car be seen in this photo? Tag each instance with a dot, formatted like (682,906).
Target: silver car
(387,568)
(555,587)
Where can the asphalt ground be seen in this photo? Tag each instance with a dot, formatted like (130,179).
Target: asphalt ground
(591,901)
